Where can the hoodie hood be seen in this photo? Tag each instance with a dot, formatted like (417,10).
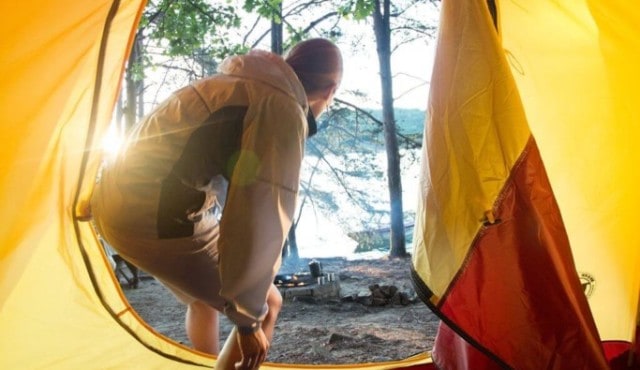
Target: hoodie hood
(268,68)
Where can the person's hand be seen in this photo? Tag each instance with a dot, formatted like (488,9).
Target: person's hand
(253,348)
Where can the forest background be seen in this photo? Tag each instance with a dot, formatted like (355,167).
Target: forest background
(360,175)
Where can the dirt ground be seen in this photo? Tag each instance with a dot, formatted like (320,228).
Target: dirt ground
(361,322)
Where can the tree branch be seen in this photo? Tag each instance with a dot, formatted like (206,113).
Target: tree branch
(409,141)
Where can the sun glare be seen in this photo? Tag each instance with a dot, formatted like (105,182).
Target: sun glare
(112,141)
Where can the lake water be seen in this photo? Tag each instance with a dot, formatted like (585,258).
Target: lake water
(322,233)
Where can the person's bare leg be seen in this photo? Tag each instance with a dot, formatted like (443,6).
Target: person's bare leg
(274,302)
(230,353)
(201,323)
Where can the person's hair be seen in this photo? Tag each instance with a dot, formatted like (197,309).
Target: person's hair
(317,63)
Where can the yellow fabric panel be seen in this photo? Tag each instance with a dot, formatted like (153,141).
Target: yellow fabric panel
(109,89)
(44,49)
(576,66)
(43,60)
(475,133)
(54,320)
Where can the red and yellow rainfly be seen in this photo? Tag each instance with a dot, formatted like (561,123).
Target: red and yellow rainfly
(525,243)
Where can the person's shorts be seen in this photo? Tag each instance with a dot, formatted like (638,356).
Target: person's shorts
(188,267)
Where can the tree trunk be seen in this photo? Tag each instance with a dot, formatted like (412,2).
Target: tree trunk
(120,115)
(383,45)
(276,31)
(134,107)
(290,249)
(129,108)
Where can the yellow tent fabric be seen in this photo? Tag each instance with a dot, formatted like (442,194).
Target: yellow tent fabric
(491,251)
(575,64)
(575,67)
(60,305)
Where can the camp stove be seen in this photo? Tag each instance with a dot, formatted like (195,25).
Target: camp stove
(300,279)
(306,286)
(312,284)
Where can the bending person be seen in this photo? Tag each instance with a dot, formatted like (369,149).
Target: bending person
(203,193)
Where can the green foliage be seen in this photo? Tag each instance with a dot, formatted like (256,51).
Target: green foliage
(193,28)
(358,9)
(136,71)
(265,8)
